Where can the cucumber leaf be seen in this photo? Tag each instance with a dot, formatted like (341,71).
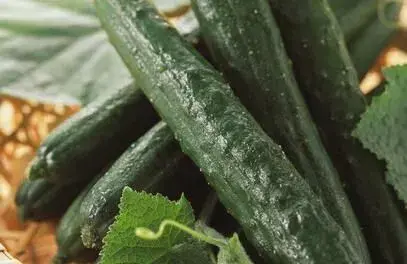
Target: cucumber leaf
(56,48)
(231,252)
(81,6)
(383,128)
(190,252)
(121,245)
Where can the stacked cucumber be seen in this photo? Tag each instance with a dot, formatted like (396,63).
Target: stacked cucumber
(334,88)
(366,33)
(270,133)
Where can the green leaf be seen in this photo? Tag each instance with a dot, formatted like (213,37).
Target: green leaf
(56,50)
(142,209)
(190,252)
(232,252)
(82,6)
(383,128)
(56,47)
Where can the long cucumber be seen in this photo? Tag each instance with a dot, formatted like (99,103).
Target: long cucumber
(80,148)
(154,163)
(276,207)
(68,234)
(329,82)
(40,199)
(354,15)
(246,44)
(366,33)
(144,166)
(367,46)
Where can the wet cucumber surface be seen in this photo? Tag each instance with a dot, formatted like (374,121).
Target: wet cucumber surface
(82,146)
(245,42)
(330,85)
(145,165)
(250,173)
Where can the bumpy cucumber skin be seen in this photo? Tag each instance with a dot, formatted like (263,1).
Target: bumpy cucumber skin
(154,164)
(79,148)
(39,200)
(329,82)
(143,166)
(246,44)
(68,234)
(278,210)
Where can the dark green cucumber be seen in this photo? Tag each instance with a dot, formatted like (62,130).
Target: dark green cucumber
(253,178)
(79,148)
(329,82)
(343,7)
(154,163)
(143,166)
(68,234)
(39,200)
(21,194)
(354,15)
(366,35)
(246,44)
(367,46)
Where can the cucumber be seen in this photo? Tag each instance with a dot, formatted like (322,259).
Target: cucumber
(21,194)
(354,16)
(366,35)
(252,176)
(329,82)
(68,234)
(39,200)
(79,148)
(154,163)
(343,7)
(367,46)
(246,44)
(143,166)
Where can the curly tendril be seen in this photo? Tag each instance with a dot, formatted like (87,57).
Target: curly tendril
(148,234)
